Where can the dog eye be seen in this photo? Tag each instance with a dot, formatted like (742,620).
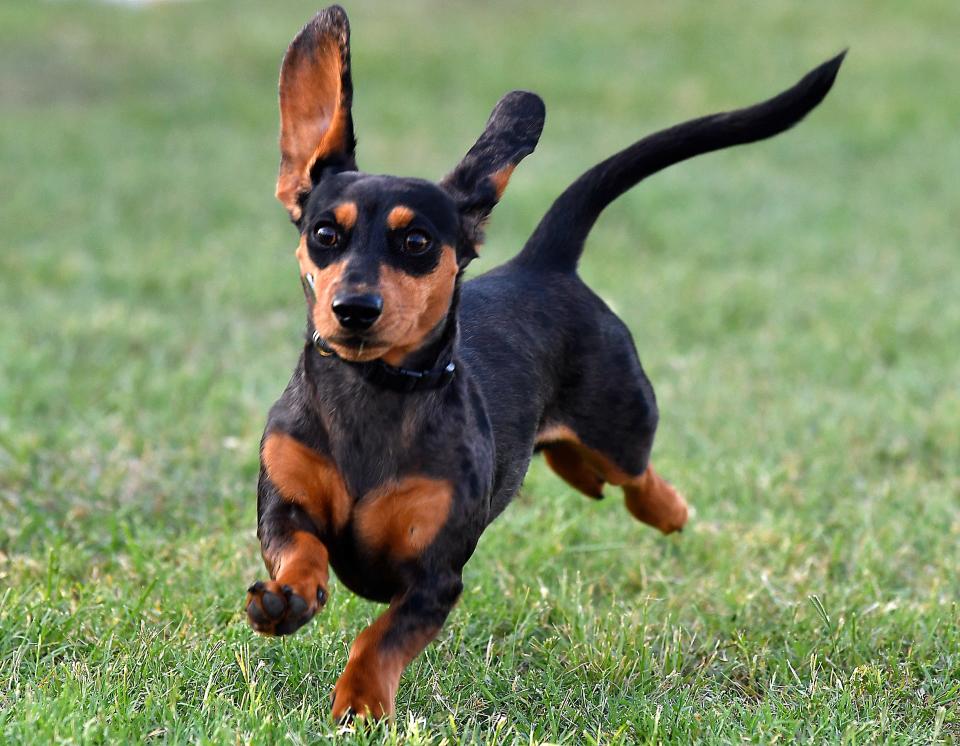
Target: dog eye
(416,242)
(326,234)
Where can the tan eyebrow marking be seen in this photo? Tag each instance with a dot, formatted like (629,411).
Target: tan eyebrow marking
(346,214)
(399,217)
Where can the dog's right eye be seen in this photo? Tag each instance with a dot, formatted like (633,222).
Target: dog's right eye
(326,234)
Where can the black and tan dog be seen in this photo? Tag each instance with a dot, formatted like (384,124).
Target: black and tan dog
(418,402)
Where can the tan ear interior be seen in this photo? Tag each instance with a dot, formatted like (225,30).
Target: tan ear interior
(501,178)
(313,115)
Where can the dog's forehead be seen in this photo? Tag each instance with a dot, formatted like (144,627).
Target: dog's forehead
(375,195)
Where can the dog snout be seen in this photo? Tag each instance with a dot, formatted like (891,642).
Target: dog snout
(357,311)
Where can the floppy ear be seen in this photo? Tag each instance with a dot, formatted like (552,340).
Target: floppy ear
(316,128)
(477,183)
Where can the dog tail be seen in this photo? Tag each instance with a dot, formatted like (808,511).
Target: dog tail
(557,242)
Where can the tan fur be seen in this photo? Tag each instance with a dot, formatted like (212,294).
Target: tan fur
(301,564)
(501,178)
(402,519)
(325,284)
(413,306)
(648,496)
(399,519)
(346,214)
(567,461)
(369,683)
(653,500)
(308,479)
(399,217)
(313,120)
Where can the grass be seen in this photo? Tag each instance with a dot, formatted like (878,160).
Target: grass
(795,303)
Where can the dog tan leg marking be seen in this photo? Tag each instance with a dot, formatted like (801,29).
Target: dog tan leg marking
(648,496)
(308,479)
(567,461)
(653,500)
(298,563)
(297,589)
(368,685)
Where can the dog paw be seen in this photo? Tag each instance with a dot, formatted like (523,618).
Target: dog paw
(656,502)
(275,609)
(360,697)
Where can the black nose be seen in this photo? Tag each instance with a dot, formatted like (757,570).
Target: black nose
(357,312)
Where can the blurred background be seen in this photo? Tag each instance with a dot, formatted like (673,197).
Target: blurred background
(795,304)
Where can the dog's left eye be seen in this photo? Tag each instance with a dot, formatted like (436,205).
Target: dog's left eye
(416,242)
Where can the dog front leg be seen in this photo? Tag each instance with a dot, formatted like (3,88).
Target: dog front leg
(368,685)
(297,562)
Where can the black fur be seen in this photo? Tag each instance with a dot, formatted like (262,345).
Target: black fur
(511,134)
(558,240)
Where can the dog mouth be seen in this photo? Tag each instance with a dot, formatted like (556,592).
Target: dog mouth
(354,341)
(357,347)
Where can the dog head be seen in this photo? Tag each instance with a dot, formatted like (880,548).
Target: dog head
(381,256)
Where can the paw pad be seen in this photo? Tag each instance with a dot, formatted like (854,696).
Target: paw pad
(274,609)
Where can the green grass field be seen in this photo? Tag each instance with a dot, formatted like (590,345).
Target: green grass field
(796,304)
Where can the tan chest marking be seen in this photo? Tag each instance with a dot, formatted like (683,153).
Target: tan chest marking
(306,478)
(403,518)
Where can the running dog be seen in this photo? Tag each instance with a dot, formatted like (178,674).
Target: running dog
(419,400)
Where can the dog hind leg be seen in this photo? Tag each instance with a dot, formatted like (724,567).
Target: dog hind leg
(652,499)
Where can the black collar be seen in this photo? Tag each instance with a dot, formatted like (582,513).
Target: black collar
(391,377)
